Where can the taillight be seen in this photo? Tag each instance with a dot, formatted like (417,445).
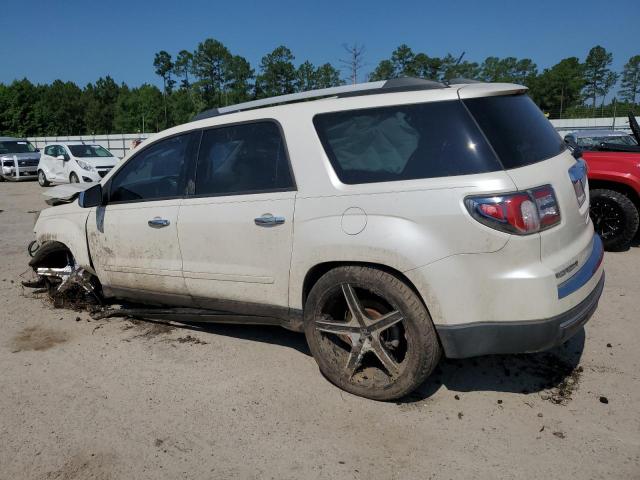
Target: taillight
(520,213)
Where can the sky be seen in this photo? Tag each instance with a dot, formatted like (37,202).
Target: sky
(84,40)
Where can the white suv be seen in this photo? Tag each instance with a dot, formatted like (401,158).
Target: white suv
(392,222)
(74,162)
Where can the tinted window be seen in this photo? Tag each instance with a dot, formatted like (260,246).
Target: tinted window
(516,128)
(404,142)
(242,159)
(49,150)
(21,146)
(156,172)
(83,151)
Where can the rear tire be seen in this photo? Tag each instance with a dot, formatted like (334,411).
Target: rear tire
(42,179)
(381,344)
(615,218)
(73,178)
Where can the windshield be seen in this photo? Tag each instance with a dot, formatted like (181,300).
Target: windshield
(84,151)
(516,129)
(587,142)
(13,146)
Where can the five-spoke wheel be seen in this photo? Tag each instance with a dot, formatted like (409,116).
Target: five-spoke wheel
(370,333)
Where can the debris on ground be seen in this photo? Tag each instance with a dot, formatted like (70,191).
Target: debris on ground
(604,400)
(559,434)
(191,339)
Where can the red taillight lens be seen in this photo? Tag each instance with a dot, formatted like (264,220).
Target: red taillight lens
(521,213)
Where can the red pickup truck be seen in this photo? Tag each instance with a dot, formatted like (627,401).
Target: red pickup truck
(613,160)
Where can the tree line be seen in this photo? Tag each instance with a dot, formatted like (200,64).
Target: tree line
(213,76)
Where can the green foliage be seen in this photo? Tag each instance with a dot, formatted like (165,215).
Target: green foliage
(278,76)
(559,87)
(213,76)
(598,76)
(630,84)
(509,70)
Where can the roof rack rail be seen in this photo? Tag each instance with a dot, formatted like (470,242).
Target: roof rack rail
(384,86)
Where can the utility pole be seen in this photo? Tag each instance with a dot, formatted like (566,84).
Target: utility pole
(355,61)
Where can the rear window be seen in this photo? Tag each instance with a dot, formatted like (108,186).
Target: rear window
(516,128)
(404,142)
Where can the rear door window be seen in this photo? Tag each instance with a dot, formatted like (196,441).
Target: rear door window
(516,128)
(242,159)
(404,142)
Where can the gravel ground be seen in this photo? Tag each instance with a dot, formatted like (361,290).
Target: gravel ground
(119,399)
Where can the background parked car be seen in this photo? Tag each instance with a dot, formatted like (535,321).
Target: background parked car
(593,139)
(18,159)
(613,159)
(74,163)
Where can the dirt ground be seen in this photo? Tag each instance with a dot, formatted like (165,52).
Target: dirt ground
(119,399)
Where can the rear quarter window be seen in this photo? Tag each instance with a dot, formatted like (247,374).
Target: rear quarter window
(518,131)
(404,142)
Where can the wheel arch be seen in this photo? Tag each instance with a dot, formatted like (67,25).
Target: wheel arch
(52,253)
(620,187)
(55,231)
(314,273)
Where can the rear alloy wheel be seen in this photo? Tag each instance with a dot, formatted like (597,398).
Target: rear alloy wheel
(42,179)
(73,178)
(615,218)
(370,333)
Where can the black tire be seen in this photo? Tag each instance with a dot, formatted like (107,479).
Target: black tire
(42,179)
(382,362)
(615,218)
(73,178)
(2,179)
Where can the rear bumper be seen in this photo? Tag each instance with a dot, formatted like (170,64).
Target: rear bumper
(484,338)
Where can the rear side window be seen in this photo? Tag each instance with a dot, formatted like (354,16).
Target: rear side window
(242,159)
(516,128)
(404,142)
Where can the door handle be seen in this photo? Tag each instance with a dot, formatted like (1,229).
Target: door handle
(268,220)
(158,222)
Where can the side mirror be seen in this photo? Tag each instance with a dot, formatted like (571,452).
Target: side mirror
(64,158)
(91,197)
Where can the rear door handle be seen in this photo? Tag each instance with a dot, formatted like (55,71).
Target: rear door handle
(268,220)
(158,222)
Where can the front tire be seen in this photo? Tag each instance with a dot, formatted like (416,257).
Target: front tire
(73,178)
(370,333)
(615,218)
(42,179)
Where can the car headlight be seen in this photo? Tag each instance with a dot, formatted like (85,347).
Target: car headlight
(85,166)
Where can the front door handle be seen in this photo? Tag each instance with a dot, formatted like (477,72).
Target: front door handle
(268,220)
(158,222)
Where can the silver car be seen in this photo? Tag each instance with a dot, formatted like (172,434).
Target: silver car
(18,159)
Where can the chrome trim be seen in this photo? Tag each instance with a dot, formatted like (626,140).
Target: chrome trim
(268,220)
(158,222)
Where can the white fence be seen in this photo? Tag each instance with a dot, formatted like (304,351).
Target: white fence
(605,123)
(118,144)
